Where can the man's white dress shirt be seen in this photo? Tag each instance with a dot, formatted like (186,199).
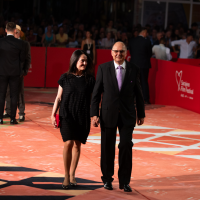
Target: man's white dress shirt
(161,52)
(123,70)
(186,50)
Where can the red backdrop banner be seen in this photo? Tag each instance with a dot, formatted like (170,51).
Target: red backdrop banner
(57,64)
(175,84)
(36,74)
(170,83)
(195,62)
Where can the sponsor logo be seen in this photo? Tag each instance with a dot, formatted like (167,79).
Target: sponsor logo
(183,86)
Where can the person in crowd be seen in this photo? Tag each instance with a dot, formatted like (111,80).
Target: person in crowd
(141,52)
(61,38)
(176,35)
(48,38)
(107,42)
(168,39)
(55,29)
(161,52)
(88,46)
(72,39)
(24,68)
(116,79)
(153,36)
(124,38)
(158,37)
(79,38)
(135,33)
(2,32)
(12,52)
(118,36)
(194,29)
(197,51)
(100,40)
(31,38)
(110,28)
(39,37)
(95,36)
(187,46)
(73,99)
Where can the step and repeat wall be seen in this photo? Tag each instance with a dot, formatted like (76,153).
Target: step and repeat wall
(170,82)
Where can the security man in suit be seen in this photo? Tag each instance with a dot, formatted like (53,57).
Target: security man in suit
(141,52)
(118,82)
(12,53)
(25,67)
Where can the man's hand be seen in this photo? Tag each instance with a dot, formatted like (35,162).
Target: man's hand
(95,121)
(140,121)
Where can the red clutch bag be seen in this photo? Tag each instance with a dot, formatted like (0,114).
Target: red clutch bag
(57,120)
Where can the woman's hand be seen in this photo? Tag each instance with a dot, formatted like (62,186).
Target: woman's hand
(53,121)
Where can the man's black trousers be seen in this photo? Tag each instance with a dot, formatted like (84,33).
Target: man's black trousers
(108,143)
(144,75)
(13,83)
(21,100)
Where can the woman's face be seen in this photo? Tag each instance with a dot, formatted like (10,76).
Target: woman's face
(49,28)
(82,63)
(88,34)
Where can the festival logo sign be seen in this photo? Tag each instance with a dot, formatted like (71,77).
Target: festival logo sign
(183,86)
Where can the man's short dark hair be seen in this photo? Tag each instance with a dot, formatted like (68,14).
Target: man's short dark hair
(194,24)
(162,41)
(10,26)
(189,34)
(143,29)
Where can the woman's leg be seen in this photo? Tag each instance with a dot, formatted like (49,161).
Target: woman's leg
(67,158)
(75,158)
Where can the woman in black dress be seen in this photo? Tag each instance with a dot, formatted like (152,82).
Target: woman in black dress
(88,46)
(74,94)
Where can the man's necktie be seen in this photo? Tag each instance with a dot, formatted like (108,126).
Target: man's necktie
(119,76)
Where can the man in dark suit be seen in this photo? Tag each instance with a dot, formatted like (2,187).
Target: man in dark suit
(12,52)
(119,83)
(141,52)
(25,67)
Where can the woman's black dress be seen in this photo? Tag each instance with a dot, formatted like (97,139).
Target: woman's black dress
(89,51)
(75,106)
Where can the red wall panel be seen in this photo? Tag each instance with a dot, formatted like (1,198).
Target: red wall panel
(36,74)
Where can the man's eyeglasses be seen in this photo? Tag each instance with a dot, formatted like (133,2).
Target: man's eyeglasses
(118,51)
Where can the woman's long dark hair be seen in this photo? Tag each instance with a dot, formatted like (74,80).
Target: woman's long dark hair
(73,62)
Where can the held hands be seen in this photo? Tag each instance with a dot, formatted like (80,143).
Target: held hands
(53,121)
(140,121)
(95,121)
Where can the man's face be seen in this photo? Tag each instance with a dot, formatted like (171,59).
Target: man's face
(159,36)
(119,52)
(61,31)
(190,38)
(17,33)
(108,35)
(145,33)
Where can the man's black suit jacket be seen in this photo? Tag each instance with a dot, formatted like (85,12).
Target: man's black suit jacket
(12,52)
(115,101)
(141,51)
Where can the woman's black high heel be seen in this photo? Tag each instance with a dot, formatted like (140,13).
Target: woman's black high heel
(65,187)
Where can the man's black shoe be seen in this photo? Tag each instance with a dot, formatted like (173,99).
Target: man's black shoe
(108,186)
(6,115)
(1,121)
(13,121)
(126,188)
(21,118)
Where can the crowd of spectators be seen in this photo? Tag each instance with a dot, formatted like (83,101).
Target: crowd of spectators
(51,33)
